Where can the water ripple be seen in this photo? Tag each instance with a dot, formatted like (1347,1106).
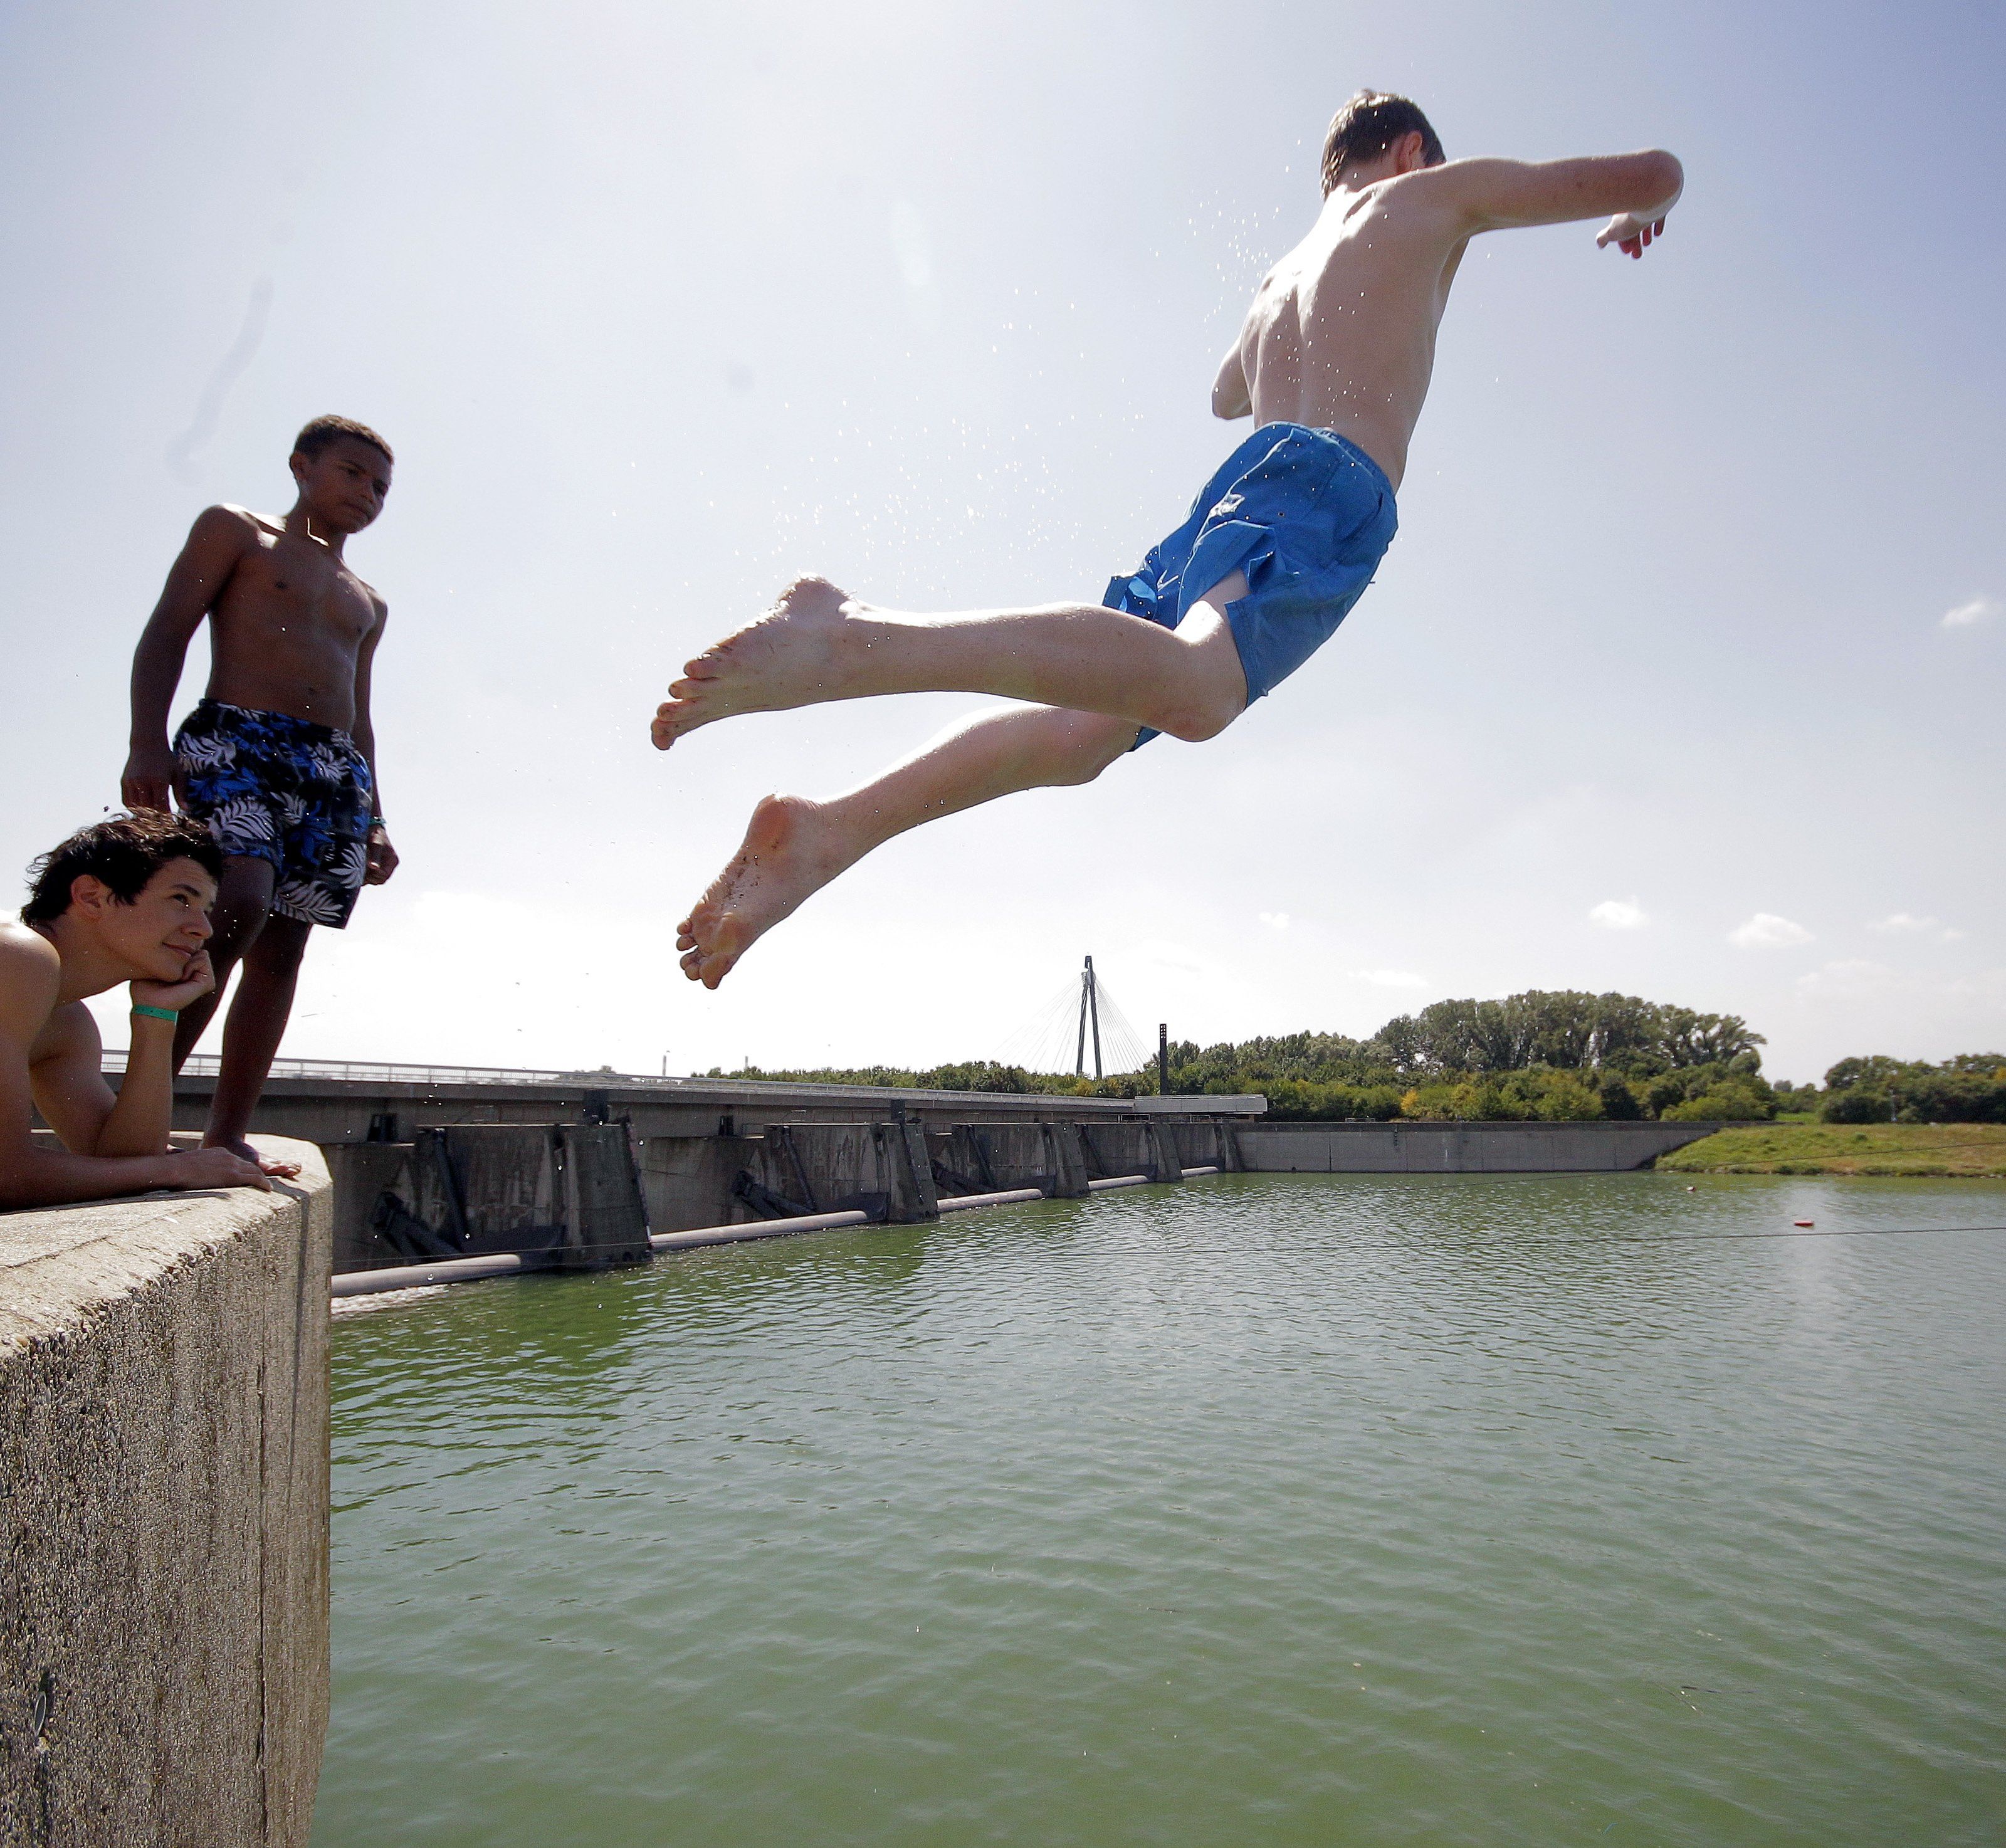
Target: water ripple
(1294,1508)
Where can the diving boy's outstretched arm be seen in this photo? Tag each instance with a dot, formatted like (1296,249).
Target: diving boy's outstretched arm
(1635,191)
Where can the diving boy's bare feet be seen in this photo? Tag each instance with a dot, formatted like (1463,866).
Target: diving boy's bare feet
(791,850)
(791,656)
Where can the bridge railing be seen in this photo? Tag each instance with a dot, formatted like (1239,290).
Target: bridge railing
(205,1065)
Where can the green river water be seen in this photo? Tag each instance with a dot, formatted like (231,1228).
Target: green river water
(1273,1509)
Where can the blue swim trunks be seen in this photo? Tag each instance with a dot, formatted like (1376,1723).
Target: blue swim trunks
(1307,515)
(274,788)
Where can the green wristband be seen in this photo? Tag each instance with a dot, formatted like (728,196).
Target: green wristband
(139,1007)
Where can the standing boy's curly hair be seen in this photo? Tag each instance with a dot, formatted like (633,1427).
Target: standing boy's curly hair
(1367,126)
(125,852)
(323,430)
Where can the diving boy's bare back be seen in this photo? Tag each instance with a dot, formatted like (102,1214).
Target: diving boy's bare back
(1333,364)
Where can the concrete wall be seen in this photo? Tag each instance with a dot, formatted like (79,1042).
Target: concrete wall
(1459,1148)
(163,1518)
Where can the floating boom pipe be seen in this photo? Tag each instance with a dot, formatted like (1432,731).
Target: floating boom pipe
(961,1202)
(503,1264)
(752,1229)
(420,1276)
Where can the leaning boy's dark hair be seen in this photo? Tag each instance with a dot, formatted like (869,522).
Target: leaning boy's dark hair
(125,852)
(323,430)
(1366,126)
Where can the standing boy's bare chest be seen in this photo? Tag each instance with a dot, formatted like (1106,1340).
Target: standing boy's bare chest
(290,591)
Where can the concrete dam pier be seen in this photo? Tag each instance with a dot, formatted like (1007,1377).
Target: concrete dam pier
(434,1164)
(583,1192)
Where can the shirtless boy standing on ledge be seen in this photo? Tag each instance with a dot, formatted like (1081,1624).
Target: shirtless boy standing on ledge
(1333,364)
(279,758)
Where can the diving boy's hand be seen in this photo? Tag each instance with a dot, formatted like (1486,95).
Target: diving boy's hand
(197,979)
(217,1167)
(148,776)
(1630,233)
(379,857)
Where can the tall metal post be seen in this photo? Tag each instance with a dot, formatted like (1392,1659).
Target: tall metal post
(1093,1006)
(1079,1051)
(1163,1059)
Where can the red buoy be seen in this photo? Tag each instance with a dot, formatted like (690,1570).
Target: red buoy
(1804,1222)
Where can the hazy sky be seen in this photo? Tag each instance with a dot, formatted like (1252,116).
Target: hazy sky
(1684,677)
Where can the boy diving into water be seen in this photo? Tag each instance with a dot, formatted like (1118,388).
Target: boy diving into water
(279,758)
(1333,364)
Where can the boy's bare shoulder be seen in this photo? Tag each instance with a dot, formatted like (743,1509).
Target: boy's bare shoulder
(377,600)
(1432,198)
(23,948)
(233,528)
(30,974)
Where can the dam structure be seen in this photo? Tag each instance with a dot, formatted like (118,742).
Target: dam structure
(436,1164)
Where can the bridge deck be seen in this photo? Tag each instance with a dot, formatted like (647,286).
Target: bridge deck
(336,1100)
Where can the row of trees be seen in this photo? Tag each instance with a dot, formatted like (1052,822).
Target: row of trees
(1538,1056)
(1565,1029)
(1554,1056)
(1970,1088)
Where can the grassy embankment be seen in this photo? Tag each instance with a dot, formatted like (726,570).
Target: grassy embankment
(1974,1150)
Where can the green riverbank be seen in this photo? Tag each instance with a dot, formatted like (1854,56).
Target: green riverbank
(1975,1151)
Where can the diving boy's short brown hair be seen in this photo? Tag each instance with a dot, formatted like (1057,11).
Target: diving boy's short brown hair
(1367,126)
(125,852)
(323,430)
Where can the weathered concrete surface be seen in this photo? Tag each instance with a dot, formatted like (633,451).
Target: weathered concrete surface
(1117,1148)
(163,1517)
(1458,1148)
(467,1190)
(686,1179)
(1206,1145)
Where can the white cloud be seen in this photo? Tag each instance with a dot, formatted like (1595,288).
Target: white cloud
(1275,921)
(1852,979)
(1766,931)
(1981,609)
(1906,923)
(1979,996)
(1619,914)
(1389,978)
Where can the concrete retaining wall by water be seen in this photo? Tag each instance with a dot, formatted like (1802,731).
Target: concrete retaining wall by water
(163,1517)
(1460,1148)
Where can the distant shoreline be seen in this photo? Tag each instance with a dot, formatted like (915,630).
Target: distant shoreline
(1918,1151)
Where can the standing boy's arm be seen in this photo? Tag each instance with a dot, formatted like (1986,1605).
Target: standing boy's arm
(382,857)
(220,536)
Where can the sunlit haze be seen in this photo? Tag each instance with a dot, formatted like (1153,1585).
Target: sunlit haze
(1684,678)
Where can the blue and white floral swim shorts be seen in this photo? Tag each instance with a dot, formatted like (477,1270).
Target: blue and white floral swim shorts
(274,788)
